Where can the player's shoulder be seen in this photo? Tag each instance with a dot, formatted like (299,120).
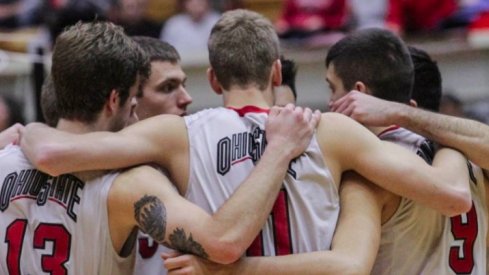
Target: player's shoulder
(163,118)
(332,118)
(207,115)
(10,149)
(158,126)
(137,173)
(14,154)
(335,123)
(135,181)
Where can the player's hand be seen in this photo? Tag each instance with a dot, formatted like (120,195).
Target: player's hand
(365,109)
(11,135)
(290,128)
(178,264)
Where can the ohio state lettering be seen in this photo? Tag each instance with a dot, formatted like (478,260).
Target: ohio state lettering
(242,146)
(35,185)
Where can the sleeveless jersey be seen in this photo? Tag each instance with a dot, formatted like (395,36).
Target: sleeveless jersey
(148,260)
(419,240)
(54,225)
(225,145)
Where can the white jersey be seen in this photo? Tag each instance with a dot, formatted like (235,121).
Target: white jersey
(54,225)
(419,240)
(225,144)
(148,260)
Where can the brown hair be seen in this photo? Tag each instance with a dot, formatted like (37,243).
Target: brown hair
(89,61)
(242,48)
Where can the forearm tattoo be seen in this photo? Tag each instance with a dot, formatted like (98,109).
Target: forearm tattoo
(150,213)
(178,240)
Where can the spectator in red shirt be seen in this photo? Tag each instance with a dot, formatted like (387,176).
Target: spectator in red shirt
(418,15)
(302,18)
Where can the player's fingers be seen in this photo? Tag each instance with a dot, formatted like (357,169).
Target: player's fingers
(307,114)
(348,111)
(298,113)
(182,271)
(289,106)
(275,111)
(316,118)
(176,262)
(340,106)
(333,105)
(170,254)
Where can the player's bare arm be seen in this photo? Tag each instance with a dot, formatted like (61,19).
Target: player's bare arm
(170,219)
(160,139)
(150,140)
(353,249)
(468,136)
(394,168)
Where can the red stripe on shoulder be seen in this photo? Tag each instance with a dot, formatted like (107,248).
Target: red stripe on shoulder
(390,129)
(249,109)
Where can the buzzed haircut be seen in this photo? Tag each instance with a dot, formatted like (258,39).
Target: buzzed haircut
(157,50)
(377,58)
(242,48)
(89,61)
(427,88)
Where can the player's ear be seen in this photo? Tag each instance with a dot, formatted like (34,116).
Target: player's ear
(211,76)
(277,73)
(361,87)
(113,102)
(413,103)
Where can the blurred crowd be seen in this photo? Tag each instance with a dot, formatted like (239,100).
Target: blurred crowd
(187,23)
(192,19)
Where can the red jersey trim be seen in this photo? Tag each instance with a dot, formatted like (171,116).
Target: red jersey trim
(390,129)
(249,109)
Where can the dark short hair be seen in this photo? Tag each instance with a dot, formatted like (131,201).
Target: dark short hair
(157,50)
(427,87)
(242,48)
(376,57)
(49,103)
(89,61)
(289,71)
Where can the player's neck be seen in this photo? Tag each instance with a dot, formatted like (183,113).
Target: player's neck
(77,127)
(238,97)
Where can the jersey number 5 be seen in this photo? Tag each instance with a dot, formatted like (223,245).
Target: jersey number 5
(464,228)
(55,233)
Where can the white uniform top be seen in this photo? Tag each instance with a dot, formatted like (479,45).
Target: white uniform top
(419,240)
(225,144)
(148,260)
(56,225)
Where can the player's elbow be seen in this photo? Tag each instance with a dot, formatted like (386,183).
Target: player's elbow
(45,159)
(461,202)
(225,252)
(356,267)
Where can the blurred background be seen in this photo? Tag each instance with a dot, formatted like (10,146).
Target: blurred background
(454,32)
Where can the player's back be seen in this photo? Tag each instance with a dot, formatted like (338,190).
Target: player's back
(54,225)
(419,240)
(224,145)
